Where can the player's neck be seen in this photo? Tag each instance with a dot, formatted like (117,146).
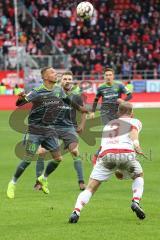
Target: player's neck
(67,91)
(125,116)
(109,83)
(49,85)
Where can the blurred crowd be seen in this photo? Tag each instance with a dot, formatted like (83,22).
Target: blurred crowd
(6,89)
(123,34)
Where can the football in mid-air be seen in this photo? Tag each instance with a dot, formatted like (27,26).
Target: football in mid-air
(85,10)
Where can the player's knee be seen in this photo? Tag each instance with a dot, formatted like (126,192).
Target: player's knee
(41,151)
(93,185)
(75,152)
(73,148)
(57,156)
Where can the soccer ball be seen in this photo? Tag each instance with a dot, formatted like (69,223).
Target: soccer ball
(85,10)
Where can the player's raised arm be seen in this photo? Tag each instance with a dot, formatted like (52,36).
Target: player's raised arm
(127,92)
(128,97)
(21,99)
(26,98)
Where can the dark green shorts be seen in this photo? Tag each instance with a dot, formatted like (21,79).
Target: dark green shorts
(50,143)
(68,135)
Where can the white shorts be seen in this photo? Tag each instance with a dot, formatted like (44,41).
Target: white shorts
(108,164)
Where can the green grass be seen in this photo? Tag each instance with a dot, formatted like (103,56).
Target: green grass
(33,215)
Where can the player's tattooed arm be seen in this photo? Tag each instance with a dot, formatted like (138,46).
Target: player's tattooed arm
(26,98)
(21,99)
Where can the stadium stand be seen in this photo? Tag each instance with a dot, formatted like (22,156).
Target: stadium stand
(123,34)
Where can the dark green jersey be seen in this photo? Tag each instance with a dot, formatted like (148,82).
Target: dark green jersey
(67,116)
(46,106)
(109,95)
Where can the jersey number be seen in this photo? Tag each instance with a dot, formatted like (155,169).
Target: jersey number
(114,130)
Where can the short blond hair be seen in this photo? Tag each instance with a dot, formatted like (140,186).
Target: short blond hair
(67,73)
(43,70)
(125,108)
(109,70)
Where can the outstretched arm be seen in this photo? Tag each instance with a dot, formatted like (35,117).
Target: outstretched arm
(21,99)
(25,98)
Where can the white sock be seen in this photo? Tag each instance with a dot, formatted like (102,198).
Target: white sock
(45,178)
(82,200)
(137,188)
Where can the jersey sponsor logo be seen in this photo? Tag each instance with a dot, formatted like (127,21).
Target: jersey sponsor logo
(111,95)
(51,102)
(65,107)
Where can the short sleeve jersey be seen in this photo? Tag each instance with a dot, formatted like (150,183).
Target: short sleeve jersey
(109,95)
(68,114)
(46,105)
(116,134)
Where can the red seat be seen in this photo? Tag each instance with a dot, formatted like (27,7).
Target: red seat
(76,41)
(88,42)
(82,42)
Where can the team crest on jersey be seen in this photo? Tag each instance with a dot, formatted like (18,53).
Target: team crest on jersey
(57,94)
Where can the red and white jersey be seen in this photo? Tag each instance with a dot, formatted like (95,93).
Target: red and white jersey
(116,134)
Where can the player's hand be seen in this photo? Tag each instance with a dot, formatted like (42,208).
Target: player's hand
(120,100)
(92,115)
(142,154)
(139,151)
(80,129)
(21,95)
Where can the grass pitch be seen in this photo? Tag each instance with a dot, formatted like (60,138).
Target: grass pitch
(35,216)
